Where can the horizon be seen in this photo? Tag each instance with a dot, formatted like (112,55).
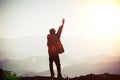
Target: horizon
(28,46)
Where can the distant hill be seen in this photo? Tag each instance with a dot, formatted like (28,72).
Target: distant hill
(112,67)
(26,65)
(39,65)
(34,65)
(86,68)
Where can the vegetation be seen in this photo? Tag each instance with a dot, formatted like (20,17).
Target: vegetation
(8,75)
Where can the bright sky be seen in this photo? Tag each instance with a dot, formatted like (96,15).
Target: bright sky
(90,19)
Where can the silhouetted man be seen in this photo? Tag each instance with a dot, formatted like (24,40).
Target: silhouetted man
(54,49)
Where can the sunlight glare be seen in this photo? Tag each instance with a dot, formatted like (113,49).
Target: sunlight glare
(34,59)
(104,20)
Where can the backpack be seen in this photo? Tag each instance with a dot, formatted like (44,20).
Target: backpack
(54,45)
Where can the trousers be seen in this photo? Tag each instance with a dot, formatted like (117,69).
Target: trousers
(58,65)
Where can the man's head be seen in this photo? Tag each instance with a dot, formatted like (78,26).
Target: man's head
(52,31)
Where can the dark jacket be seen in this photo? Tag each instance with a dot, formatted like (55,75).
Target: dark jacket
(54,39)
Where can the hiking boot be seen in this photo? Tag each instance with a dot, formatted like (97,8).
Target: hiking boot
(60,76)
(53,75)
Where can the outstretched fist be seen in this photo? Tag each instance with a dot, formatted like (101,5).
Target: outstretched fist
(63,21)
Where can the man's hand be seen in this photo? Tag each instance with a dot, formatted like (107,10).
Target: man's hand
(63,21)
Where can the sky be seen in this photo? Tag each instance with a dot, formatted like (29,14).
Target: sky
(88,22)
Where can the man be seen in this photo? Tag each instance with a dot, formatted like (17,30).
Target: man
(54,49)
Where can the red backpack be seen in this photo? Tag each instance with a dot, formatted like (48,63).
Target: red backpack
(54,45)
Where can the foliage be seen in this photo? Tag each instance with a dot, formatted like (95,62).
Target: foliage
(8,75)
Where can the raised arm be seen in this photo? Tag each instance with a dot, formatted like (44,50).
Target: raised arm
(61,28)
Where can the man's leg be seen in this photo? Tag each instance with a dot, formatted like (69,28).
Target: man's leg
(51,66)
(57,62)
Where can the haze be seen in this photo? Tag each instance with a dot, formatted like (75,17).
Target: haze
(92,27)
